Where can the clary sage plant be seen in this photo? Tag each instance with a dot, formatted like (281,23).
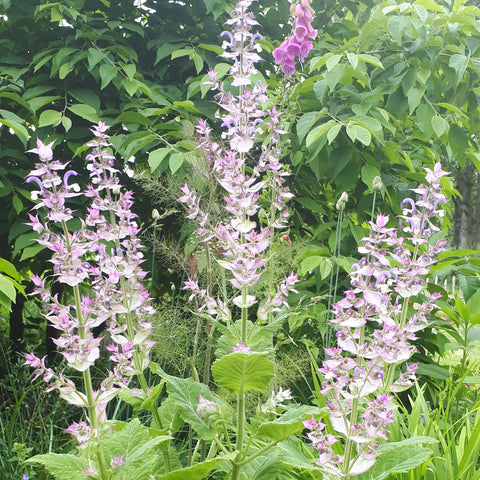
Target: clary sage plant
(232,435)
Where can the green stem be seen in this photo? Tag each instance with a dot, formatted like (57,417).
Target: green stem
(240,433)
(87,379)
(258,452)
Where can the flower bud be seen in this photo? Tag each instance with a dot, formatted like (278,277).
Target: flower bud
(342,201)
(377,184)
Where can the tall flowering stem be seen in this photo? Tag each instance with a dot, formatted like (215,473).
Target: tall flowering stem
(100,262)
(242,238)
(375,326)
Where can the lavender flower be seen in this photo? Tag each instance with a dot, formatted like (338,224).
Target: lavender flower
(375,330)
(299,44)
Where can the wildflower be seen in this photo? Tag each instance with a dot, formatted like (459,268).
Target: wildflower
(359,373)
(104,253)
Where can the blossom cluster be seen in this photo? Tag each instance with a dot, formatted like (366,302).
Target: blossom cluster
(300,43)
(375,325)
(239,239)
(101,263)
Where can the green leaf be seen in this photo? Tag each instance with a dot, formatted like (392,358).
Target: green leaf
(140,451)
(459,64)
(306,122)
(317,132)
(64,70)
(396,25)
(198,471)
(31,252)
(364,57)
(67,123)
(333,132)
(130,70)
(457,140)
(182,52)
(439,125)
(9,269)
(369,172)
(433,371)
(62,466)
(353,59)
(414,96)
(188,105)
(175,162)
(7,288)
(398,457)
(287,424)
(49,117)
(165,50)
(357,132)
(17,204)
(156,157)
(473,303)
(185,392)
(241,372)
(332,61)
(334,75)
(130,86)
(133,117)
(85,111)
(423,119)
(107,74)
(94,56)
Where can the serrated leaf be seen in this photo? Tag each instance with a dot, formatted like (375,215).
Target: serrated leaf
(439,125)
(241,372)
(84,111)
(49,117)
(402,458)
(185,392)
(62,466)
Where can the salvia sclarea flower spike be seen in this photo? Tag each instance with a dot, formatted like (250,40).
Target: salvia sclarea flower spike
(240,239)
(375,327)
(300,43)
(101,263)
